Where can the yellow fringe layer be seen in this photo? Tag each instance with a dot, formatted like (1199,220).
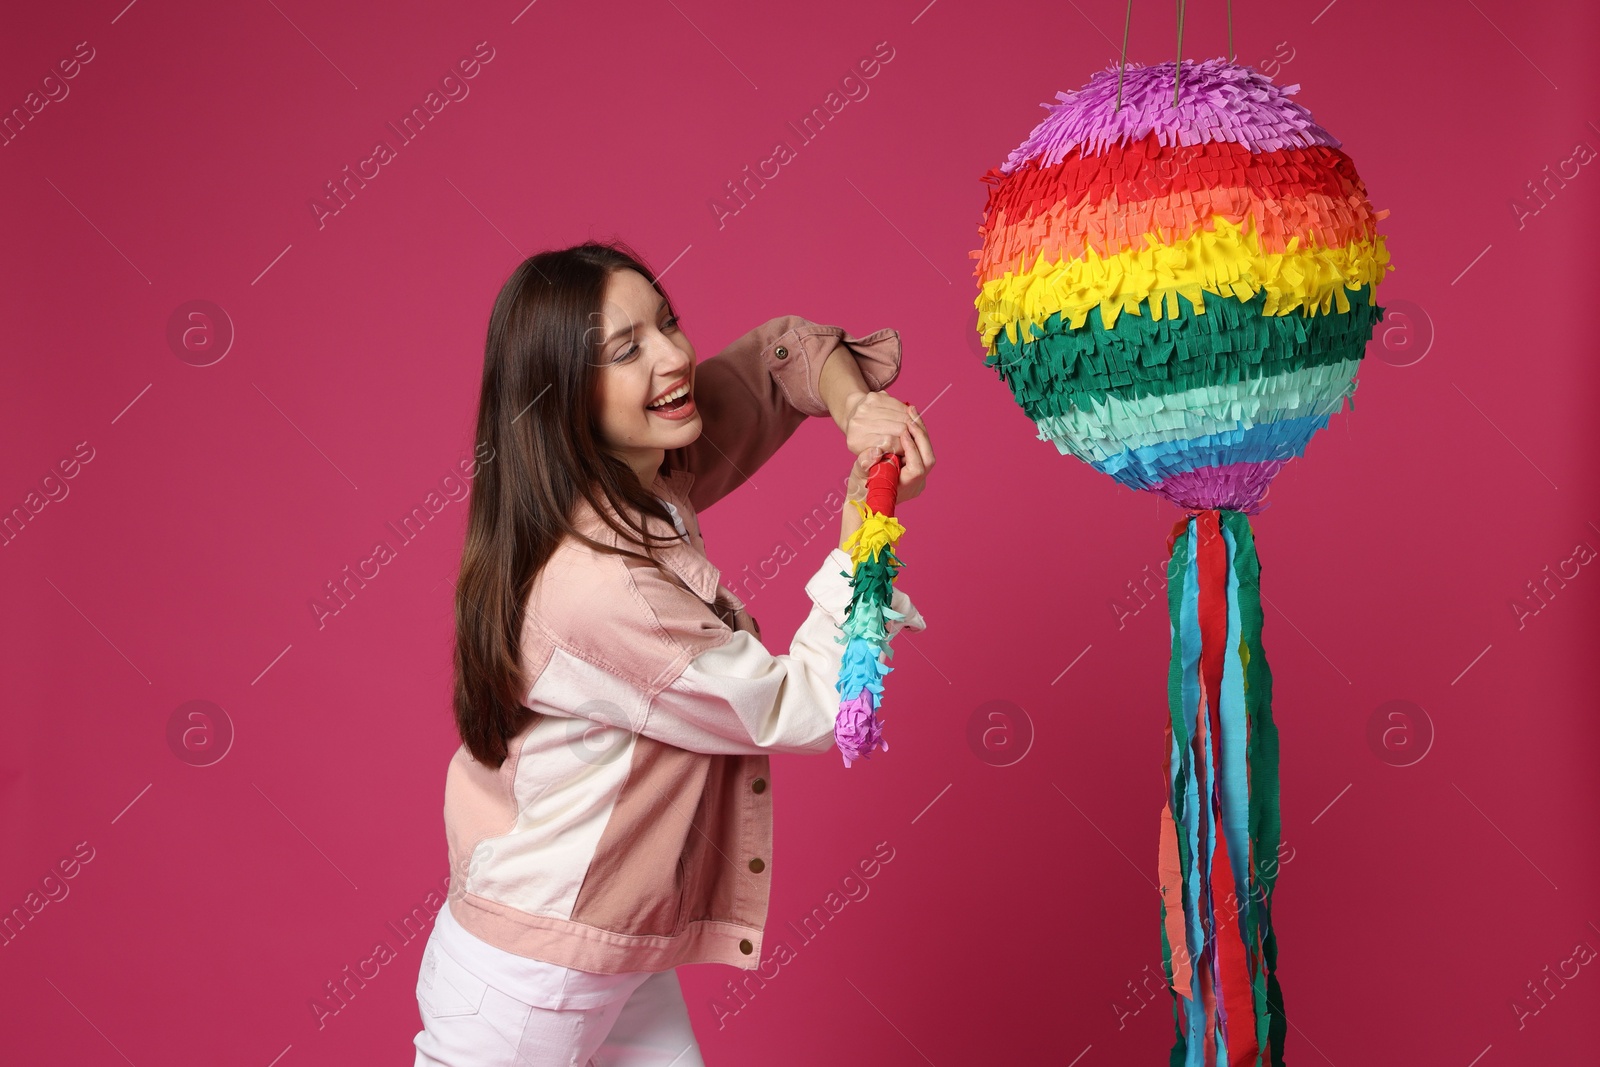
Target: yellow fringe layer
(878,531)
(1227,260)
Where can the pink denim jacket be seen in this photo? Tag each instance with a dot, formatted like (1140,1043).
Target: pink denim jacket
(630,828)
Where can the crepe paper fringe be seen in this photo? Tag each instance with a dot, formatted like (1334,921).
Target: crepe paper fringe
(1219,826)
(1227,260)
(1219,101)
(1101,431)
(866,637)
(1115,201)
(1114,226)
(1146,169)
(1235,486)
(1272,442)
(1069,231)
(1063,369)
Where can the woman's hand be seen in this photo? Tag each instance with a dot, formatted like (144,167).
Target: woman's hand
(916,453)
(872,417)
(917,460)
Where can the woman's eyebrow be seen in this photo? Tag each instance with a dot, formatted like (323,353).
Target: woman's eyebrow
(624,330)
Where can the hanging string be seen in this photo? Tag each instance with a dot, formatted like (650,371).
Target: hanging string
(1126,20)
(1231,56)
(1178,66)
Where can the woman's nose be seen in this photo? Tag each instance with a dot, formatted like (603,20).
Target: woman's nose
(674,365)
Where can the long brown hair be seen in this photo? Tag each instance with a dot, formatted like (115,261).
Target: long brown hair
(540,367)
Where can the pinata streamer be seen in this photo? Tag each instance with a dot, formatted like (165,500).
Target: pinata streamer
(1217,856)
(856,729)
(1177,282)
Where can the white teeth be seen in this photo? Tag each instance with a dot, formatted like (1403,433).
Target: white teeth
(670,397)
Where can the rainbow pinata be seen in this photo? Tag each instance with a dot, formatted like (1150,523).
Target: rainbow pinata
(1177,283)
(1179,295)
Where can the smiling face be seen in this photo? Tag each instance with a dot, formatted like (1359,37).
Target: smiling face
(643,358)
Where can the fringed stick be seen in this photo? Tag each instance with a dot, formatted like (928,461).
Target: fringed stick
(857,730)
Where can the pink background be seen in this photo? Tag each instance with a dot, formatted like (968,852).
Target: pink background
(1018,915)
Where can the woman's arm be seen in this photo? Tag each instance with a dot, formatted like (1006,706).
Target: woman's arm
(736,697)
(842,389)
(647,656)
(755,393)
(842,386)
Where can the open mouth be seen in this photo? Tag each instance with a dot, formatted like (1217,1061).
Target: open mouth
(672,405)
(680,398)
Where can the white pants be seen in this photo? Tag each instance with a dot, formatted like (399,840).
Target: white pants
(469,1023)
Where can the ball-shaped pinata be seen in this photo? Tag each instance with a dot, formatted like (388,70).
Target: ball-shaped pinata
(1179,294)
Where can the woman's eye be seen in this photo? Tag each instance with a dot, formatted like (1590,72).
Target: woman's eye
(633,350)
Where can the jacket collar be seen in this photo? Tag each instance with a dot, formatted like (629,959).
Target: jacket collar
(682,558)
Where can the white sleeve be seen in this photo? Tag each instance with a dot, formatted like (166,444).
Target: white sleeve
(739,698)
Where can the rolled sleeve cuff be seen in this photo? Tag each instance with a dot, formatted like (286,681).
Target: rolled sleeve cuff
(796,355)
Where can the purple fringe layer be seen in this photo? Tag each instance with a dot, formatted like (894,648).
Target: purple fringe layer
(1217,101)
(856,730)
(1237,486)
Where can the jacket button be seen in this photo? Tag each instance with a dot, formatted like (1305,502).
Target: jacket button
(781,352)
(746,947)
(757,866)
(759,785)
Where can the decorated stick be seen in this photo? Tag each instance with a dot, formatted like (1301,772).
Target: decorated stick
(857,730)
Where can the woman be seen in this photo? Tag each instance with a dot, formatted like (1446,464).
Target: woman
(609,812)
